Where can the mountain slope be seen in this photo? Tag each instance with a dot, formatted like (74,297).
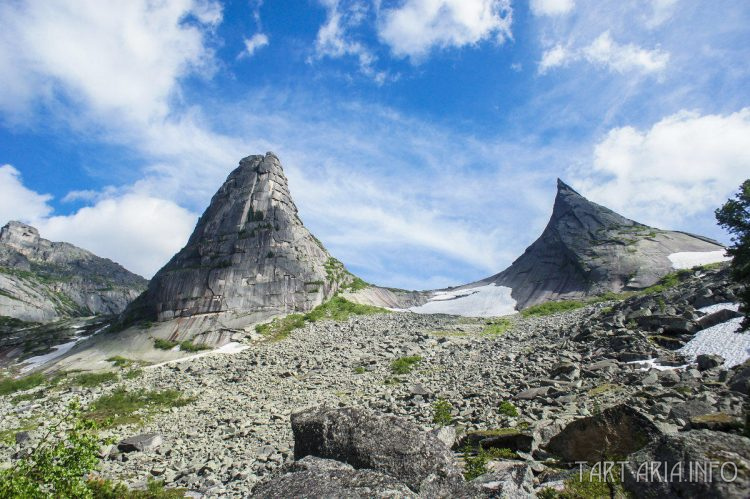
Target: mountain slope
(249,254)
(42,281)
(586,249)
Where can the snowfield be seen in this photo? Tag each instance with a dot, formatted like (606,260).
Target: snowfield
(481,301)
(722,339)
(689,259)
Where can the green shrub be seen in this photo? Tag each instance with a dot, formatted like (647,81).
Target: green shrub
(11,385)
(441,412)
(280,328)
(163,344)
(359,370)
(56,466)
(475,465)
(508,409)
(120,361)
(498,326)
(89,380)
(120,406)
(133,373)
(552,307)
(404,365)
(189,346)
(107,489)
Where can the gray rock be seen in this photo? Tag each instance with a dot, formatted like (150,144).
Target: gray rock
(317,478)
(508,479)
(691,448)
(706,361)
(140,443)
(364,440)
(446,434)
(249,253)
(617,431)
(47,281)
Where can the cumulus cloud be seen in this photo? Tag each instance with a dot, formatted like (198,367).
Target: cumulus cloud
(683,165)
(623,58)
(97,53)
(554,57)
(418,26)
(551,7)
(335,38)
(17,202)
(138,231)
(254,43)
(605,52)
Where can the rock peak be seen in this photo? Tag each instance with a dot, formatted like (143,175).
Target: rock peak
(249,253)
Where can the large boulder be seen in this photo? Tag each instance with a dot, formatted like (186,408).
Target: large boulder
(686,457)
(315,477)
(368,441)
(614,433)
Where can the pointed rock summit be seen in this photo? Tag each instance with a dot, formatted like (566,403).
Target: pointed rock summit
(588,249)
(249,254)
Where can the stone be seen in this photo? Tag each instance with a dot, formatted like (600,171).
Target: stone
(532,393)
(617,431)
(446,434)
(691,447)
(740,380)
(688,409)
(718,317)
(368,441)
(716,421)
(707,361)
(49,269)
(249,253)
(140,443)
(22,438)
(512,480)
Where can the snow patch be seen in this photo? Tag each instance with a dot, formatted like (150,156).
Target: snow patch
(230,348)
(722,339)
(648,364)
(59,350)
(690,259)
(481,301)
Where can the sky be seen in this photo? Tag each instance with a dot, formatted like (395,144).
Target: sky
(422,139)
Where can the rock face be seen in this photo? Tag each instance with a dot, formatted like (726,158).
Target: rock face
(249,253)
(367,441)
(42,281)
(587,249)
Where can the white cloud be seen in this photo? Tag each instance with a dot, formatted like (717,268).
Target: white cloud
(97,53)
(139,232)
(254,43)
(18,202)
(551,7)
(335,40)
(418,26)
(604,51)
(623,58)
(683,165)
(554,57)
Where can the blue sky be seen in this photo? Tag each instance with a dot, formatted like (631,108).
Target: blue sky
(422,138)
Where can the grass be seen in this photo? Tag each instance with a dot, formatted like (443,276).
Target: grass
(120,361)
(404,365)
(155,489)
(498,327)
(90,380)
(359,370)
(163,344)
(441,412)
(603,388)
(508,409)
(587,486)
(10,385)
(337,309)
(127,407)
(133,374)
(552,307)
(12,322)
(189,346)
(8,437)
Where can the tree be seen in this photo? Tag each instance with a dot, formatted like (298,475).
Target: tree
(734,216)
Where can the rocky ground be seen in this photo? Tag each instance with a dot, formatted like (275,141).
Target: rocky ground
(554,369)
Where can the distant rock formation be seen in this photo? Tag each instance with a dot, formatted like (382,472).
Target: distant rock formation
(586,249)
(249,254)
(42,281)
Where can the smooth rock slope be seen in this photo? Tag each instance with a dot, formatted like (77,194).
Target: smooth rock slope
(43,281)
(586,249)
(249,253)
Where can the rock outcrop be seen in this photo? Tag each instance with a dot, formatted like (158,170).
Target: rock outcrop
(585,250)
(42,281)
(249,254)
